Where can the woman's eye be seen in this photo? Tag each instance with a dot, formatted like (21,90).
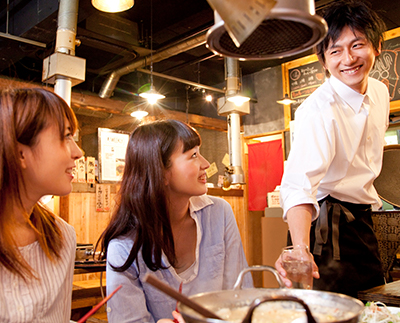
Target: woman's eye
(194,155)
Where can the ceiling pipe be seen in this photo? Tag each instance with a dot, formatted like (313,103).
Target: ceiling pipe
(67,24)
(235,147)
(232,76)
(23,40)
(189,43)
(234,173)
(17,38)
(65,43)
(176,79)
(63,68)
(192,62)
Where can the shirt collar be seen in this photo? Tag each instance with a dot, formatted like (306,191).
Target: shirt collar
(351,97)
(199,202)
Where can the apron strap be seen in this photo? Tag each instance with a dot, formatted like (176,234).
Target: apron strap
(322,226)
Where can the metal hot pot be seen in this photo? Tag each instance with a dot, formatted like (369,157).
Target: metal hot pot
(346,309)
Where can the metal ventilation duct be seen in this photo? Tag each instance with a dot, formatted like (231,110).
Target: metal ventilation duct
(184,45)
(234,173)
(290,28)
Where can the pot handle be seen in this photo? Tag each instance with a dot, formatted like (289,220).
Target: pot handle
(260,300)
(238,284)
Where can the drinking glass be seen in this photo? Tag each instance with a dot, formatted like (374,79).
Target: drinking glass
(297,261)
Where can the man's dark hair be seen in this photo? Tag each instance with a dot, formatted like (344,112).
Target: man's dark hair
(358,16)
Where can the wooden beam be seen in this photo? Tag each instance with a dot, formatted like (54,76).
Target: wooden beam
(96,103)
(194,120)
(116,108)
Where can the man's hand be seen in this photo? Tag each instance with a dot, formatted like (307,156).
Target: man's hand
(299,221)
(282,272)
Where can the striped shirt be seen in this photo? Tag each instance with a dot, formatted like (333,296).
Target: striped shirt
(47,299)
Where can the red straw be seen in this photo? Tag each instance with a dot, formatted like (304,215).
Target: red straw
(95,309)
(176,308)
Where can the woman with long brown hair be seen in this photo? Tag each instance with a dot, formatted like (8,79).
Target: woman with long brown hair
(37,248)
(166,225)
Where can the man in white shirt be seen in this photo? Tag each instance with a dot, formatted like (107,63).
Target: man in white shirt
(327,189)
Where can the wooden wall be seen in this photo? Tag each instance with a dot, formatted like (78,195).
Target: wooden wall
(79,209)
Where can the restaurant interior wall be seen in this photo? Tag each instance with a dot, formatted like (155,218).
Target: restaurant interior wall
(266,115)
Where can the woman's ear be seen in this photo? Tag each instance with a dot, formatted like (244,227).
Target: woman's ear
(166,178)
(22,155)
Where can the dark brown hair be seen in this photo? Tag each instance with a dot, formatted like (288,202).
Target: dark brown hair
(358,16)
(142,207)
(24,114)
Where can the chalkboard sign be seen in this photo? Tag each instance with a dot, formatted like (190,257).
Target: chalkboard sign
(304,80)
(387,67)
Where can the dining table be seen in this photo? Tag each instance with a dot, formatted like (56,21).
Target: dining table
(388,293)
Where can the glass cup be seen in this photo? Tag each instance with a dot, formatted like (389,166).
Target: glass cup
(297,261)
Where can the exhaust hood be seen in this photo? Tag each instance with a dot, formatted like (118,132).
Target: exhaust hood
(289,28)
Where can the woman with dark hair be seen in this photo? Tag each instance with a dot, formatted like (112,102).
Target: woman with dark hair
(164,224)
(37,248)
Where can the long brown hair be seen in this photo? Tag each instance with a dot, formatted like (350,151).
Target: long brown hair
(24,114)
(142,206)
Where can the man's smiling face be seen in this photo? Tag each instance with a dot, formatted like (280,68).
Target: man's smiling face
(350,59)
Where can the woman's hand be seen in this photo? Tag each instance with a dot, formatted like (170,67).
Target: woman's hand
(177,318)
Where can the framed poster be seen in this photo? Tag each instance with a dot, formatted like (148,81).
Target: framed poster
(112,150)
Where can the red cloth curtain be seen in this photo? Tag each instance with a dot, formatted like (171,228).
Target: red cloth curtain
(265,172)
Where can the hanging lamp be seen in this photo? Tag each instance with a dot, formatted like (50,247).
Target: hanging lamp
(286,100)
(112,5)
(139,114)
(152,96)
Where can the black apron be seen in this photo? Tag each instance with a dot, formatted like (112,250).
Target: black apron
(345,248)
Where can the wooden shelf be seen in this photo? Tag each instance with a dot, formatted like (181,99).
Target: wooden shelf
(87,293)
(217,191)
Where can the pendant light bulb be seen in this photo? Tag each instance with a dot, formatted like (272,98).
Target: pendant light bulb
(139,114)
(152,96)
(209,98)
(238,100)
(286,100)
(112,5)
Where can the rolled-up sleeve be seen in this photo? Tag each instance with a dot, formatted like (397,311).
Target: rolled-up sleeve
(309,158)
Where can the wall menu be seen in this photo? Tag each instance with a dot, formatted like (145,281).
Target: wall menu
(387,67)
(304,80)
(112,150)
